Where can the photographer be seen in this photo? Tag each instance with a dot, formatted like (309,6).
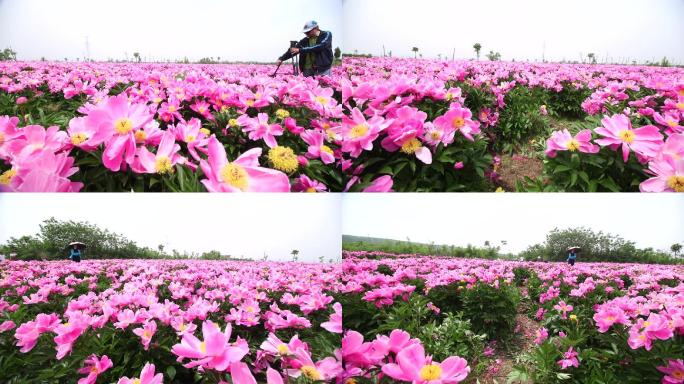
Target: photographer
(315,50)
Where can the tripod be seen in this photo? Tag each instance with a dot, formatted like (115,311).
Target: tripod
(294,59)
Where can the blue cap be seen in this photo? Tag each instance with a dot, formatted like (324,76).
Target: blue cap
(309,26)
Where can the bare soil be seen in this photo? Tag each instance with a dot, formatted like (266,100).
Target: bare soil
(516,167)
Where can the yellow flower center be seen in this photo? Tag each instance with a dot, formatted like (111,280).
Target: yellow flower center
(676,183)
(573,317)
(322,100)
(250,103)
(449,96)
(435,135)
(205,131)
(147,334)
(283,159)
(2,138)
(235,176)
(94,369)
(411,146)
(7,176)
(123,126)
(572,145)
(172,108)
(680,106)
(359,130)
(283,349)
(233,122)
(672,123)
(311,190)
(430,372)
(610,318)
(250,309)
(331,134)
(458,122)
(678,374)
(163,165)
(78,138)
(311,372)
(140,136)
(203,347)
(157,100)
(182,327)
(350,380)
(326,149)
(202,109)
(627,136)
(282,113)
(190,138)
(137,381)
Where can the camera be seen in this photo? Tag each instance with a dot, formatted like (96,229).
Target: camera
(293,43)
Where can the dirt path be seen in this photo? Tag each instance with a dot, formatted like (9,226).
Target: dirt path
(517,167)
(523,342)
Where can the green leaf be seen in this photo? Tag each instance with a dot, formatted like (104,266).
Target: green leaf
(171,372)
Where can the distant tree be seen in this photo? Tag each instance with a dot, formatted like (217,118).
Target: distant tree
(477,48)
(8,54)
(493,56)
(415,52)
(294,254)
(211,255)
(390,53)
(592,57)
(338,52)
(675,248)
(137,56)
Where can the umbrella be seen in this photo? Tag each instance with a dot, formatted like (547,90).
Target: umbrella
(571,248)
(77,243)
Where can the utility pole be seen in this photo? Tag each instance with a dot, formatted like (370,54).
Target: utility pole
(544,52)
(453,55)
(383,50)
(87,48)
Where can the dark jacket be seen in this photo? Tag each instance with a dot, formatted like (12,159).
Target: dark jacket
(322,51)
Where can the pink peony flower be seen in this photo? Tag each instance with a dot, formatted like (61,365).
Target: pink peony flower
(674,372)
(617,131)
(215,352)
(334,324)
(413,366)
(93,367)
(564,141)
(381,184)
(457,119)
(146,332)
(258,128)
(242,175)
(147,376)
(569,359)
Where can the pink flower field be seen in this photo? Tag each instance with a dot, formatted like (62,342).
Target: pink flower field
(376,125)
(619,322)
(169,321)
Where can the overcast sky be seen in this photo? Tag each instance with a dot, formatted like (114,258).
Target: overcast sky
(522,29)
(254,30)
(236,224)
(522,219)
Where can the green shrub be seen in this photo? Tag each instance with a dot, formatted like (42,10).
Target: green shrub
(491,310)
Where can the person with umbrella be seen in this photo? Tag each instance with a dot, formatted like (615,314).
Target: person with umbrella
(572,255)
(75,251)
